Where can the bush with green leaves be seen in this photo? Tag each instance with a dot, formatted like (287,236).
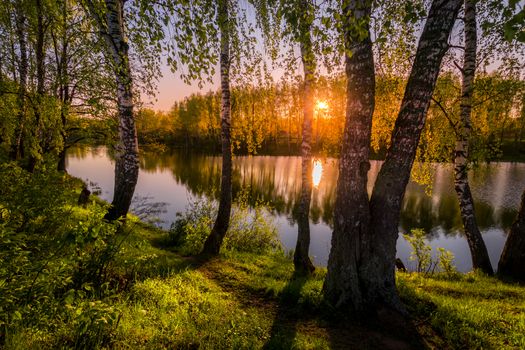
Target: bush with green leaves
(446,262)
(422,255)
(251,228)
(50,249)
(421,251)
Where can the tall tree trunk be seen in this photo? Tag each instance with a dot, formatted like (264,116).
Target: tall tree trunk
(512,260)
(214,241)
(40,80)
(64,89)
(127,160)
(343,287)
(301,259)
(378,271)
(21,22)
(478,250)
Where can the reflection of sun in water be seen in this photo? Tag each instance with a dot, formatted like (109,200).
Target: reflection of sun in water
(322,105)
(317,172)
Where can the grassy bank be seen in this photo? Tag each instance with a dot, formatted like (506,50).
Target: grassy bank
(147,295)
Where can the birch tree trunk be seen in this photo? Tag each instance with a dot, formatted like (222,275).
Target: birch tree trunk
(378,270)
(478,250)
(301,258)
(213,243)
(127,161)
(343,287)
(21,22)
(512,260)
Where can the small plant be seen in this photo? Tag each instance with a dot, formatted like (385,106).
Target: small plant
(421,251)
(190,230)
(50,250)
(446,262)
(422,255)
(251,228)
(92,322)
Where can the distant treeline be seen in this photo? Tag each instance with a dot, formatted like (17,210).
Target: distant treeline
(268,119)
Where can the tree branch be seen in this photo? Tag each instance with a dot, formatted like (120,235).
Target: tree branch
(446,114)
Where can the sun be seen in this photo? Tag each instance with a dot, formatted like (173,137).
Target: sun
(322,105)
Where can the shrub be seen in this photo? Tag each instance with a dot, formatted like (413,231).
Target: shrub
(250,230)
(446,262)
(421,251)
(422,255)
(190,229)
(49,250)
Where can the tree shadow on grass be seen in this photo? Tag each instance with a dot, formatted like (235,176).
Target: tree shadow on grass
(382,330)
(289,313)
(441,325)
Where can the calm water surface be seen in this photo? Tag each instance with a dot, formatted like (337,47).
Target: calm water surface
(175,178)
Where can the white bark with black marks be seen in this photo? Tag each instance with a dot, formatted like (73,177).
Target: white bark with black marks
(213,243)
(302,262)
(127,161)
(478,250)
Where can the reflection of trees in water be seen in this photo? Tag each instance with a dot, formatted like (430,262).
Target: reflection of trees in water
(419,211)
(81,152)
(276,181)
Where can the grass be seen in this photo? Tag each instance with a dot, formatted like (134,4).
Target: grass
(242,300)
(472,312)
(228,302)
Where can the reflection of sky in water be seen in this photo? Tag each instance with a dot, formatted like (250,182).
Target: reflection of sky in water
(174,179)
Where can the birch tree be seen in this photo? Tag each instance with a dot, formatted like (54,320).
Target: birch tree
(512,260)
(388,192)
(213,243)
(110,19)
(205,32)
(351,212)
(298,17)
(478,250)
(83,82)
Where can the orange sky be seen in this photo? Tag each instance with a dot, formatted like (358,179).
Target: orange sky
(171,89)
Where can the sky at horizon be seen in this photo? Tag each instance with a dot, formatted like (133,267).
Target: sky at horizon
(171,89)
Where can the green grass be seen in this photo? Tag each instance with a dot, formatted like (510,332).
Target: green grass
(472,312)
(229,302)
(248,301)
(468,312)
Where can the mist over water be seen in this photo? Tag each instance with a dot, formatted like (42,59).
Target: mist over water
(175,177)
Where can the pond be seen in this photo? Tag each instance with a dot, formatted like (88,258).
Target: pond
(174,178)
